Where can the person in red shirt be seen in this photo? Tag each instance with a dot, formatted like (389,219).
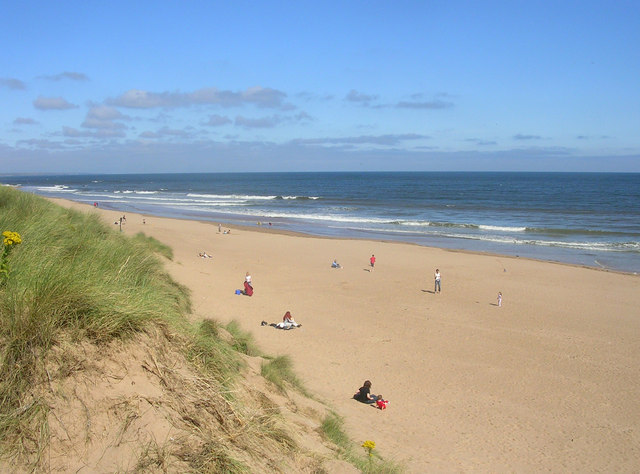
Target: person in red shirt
(372,261)
(381,403)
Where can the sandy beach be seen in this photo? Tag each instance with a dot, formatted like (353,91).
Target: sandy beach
(550,381)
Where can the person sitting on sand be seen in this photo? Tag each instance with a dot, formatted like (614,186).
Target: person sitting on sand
(335,264)
(288,322)
(248,289)
(364,394)
(381,403)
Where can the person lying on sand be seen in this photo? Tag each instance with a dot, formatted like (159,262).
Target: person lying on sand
(287,322)
(381,403)
(204,255)
(364,394)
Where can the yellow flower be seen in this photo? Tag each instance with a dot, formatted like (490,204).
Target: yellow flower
(369,446)
(11,238)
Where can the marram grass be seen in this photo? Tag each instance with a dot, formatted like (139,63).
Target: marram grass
(70,276)
(74,278)
(333,429)
(279,371)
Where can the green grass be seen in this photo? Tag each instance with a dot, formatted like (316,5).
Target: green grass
(332,428)
(155,245)
(242,341)
(279,371)
(72,277)
(213,354)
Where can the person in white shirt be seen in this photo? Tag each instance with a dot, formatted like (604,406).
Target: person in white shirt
(437,282)
(288,322)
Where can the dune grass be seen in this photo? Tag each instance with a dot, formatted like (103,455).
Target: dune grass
(72,277)
(213,354)
(242,341)
(333,428)
(279,371)
(155,245)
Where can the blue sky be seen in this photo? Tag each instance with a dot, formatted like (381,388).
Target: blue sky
(116,87)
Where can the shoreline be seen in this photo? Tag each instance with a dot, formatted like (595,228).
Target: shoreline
(564,236)
(294,233)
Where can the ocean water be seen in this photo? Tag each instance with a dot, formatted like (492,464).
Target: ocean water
(589,219)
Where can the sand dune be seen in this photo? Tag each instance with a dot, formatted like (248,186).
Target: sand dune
(549,381)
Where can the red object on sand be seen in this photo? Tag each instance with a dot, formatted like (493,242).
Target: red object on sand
(382,404)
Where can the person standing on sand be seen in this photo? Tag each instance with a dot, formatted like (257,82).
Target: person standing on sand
(499,298)
(248,287)
(437,277)
(372,262)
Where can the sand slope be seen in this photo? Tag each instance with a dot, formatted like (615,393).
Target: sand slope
(549,381)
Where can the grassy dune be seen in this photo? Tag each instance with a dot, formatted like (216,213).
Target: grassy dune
(73,280)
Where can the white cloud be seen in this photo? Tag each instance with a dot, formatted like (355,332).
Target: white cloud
(522,136)
(433,104)
(264,122)
(103,117)
(24,121)
(74,76)
(53,103)
(114,132)
(104,112)
(355,96)
(385,140)
(11,83)
(217,121)
(258,96)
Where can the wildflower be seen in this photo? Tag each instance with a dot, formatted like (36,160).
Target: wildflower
(369,446)
(9,240)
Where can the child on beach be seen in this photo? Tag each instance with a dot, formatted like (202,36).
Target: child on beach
(499,298)
(437,277)
(381,403)
(372,262)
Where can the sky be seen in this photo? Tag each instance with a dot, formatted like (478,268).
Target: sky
(220,86)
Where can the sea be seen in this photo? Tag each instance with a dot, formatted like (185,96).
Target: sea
(590,219)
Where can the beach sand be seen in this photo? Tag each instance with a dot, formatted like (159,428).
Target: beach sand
(550,381)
